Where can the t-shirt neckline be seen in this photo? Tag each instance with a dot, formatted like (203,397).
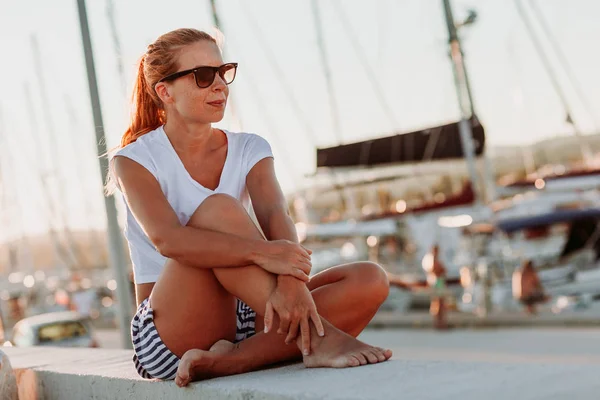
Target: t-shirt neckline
(182,166)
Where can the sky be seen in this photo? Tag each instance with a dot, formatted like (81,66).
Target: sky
(390,72)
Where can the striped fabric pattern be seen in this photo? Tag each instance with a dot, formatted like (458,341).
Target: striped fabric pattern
(246,321)
(152,359)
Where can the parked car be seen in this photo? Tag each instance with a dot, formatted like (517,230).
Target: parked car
(61,329)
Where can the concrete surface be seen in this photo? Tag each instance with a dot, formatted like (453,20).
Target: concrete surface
(391,319)
(516,363)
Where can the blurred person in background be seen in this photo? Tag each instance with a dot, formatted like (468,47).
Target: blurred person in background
(203,271)
(436,278)
(527,287)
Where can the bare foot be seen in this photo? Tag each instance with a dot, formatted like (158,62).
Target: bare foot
(340,350)
(195,364)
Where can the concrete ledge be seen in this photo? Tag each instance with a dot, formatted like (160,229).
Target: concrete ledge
(44,373)
(8,382)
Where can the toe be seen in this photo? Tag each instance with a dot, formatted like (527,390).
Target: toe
(353,361)
(370,356)
(182,379)
(379,353)
(361,358)
(388,354)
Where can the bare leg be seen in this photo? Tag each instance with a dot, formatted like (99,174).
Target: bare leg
(330,290)
(440,314)
(254,285)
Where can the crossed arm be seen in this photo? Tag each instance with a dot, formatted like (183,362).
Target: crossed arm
(280,254)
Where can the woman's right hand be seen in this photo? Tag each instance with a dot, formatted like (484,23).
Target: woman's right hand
(284,257)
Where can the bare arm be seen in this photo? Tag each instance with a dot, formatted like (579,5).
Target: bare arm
(272,214)
(173,240)
(269,202)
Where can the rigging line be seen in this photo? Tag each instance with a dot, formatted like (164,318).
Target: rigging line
(73,247)
(279,73)
(527,151)
(260,103)
(563,60)
(291,170)
(327,71)
(585,147)
(50,204)
(365,64)
(287,89)
(4,173)
(232,103)
(110,14)
(382,13)
(545,60)
(23,245)
(60,252)
(7,172)
(80,160)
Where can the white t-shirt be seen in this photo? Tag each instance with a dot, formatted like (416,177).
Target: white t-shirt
(155,153)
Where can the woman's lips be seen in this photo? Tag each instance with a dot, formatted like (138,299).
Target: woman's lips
(218,103)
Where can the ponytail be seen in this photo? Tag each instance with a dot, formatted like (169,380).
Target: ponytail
(159,61)
(146,114)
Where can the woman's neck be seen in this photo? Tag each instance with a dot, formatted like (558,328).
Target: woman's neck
(189,138)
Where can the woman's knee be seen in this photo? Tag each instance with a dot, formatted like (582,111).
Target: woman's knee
(219,210)
(372,280)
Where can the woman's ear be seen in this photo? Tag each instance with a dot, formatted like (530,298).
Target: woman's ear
(163,92)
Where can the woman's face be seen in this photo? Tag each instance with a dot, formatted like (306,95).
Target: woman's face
(183,96)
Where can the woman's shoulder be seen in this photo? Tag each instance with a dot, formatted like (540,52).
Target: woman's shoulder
(143,144)
(248,140)
(244,136)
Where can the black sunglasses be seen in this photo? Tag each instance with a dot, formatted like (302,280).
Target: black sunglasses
(205,76)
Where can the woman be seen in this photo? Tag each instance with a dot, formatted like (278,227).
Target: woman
(195,249)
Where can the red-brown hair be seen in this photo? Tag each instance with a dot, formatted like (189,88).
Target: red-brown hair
(159,61)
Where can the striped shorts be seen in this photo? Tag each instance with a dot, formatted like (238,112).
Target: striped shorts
(152,359)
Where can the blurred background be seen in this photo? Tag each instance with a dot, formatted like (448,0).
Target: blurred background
(397,126)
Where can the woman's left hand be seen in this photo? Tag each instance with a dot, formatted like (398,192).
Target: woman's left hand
(294,305)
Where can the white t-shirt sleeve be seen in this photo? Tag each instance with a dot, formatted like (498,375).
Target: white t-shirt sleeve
(137,153)
(256,149)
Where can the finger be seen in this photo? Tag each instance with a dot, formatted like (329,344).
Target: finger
(269,317)
(306,258)
(300,250)
(309,251)
(304,266)
(298,273)
(293,332)
(305,331)
(317,321)
(284,323)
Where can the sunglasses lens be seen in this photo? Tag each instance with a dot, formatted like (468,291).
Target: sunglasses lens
(205,77)
(227,72)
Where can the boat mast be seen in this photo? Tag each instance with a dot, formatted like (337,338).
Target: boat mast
(463,95)
(116,253)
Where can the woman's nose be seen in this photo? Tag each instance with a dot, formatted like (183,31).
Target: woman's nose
(218,83)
